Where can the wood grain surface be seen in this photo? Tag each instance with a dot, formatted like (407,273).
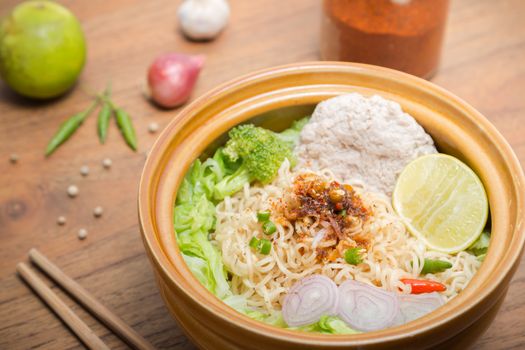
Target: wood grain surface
(483,62)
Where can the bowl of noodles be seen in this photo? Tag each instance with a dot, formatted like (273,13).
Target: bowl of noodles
(332,205)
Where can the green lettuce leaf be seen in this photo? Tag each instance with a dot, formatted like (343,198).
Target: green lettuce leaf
(328,325)
(334,325)
(200,269)
(194,218)
(197,215)
(291,135)
(481,245)
(275,319)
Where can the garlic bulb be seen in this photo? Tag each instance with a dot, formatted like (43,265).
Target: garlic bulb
(203,19)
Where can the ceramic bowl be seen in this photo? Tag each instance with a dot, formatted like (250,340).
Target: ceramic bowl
(275,97)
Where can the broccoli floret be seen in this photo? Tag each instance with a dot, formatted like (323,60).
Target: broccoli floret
(262,152)
(232,183)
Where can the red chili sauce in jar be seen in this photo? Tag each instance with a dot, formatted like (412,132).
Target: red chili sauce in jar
(402,34)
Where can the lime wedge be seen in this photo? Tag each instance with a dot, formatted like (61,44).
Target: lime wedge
(442,202)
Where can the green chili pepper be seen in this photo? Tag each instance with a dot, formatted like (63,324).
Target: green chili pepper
(263,216)
(103,121)
(254,242)
(435,266)
(68,128)
(265,246)
(125,124)
(269,228)
(353,256)
(104,116)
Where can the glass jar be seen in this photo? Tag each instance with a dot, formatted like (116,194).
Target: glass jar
(405,35)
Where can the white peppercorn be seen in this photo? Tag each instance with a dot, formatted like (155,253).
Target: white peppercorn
(72,191)
(82,233)
(153,127)
(84,170)
(98,211)
(13,158)
(106,163)
(61,220)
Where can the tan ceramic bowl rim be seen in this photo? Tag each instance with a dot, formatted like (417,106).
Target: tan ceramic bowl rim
(162,256)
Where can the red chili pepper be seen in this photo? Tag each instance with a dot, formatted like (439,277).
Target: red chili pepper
(424,286)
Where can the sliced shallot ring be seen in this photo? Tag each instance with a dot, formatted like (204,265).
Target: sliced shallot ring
(318,237)
(309,299)
(414,306)
(366,308)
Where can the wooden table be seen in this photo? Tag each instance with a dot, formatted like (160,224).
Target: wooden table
(483,62)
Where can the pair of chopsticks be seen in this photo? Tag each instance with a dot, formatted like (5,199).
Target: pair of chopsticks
(90,339)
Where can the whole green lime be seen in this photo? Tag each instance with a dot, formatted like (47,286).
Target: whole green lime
(42,49)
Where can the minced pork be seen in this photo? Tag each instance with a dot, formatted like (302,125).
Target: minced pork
(363,140)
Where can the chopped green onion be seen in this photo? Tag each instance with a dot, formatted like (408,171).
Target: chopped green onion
(353,257)
(343,212)
(263,216)
(265,246)
(254,242)
(269,228)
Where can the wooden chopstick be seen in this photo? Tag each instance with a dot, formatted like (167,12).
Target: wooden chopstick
(62,310)
(112,321)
